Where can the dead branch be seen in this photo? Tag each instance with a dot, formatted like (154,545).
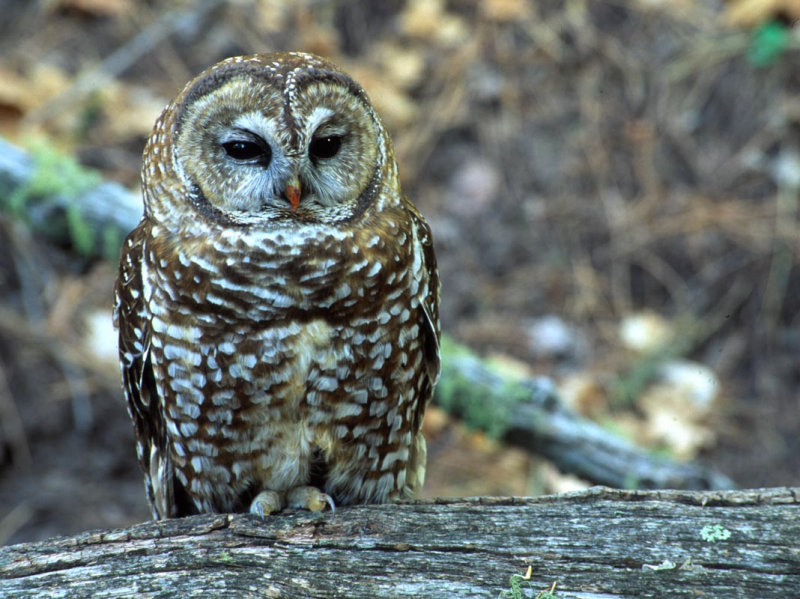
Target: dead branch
(597,543)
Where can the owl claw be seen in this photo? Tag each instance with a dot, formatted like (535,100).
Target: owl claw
(266,503)
(309,498)
(306,498)
(329,499)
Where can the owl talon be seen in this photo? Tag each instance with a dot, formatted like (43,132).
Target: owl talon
(266,503)
(309,498)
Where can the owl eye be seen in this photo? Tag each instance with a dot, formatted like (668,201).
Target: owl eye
(325,147)
(248,150)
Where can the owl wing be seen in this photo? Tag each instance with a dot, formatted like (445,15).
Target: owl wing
(428,320)
(138,382)
(429,301)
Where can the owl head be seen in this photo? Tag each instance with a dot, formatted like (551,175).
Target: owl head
(264,138)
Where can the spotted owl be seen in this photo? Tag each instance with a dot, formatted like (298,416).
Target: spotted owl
(277,305)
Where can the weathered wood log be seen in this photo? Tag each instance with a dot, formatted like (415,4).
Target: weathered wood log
(597,543)
(64,202)
(527,413)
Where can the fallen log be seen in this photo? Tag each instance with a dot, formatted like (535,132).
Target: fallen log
(596,543)
(529,413)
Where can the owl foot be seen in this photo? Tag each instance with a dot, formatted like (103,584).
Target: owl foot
(309,498)
(266,503)
(306,498)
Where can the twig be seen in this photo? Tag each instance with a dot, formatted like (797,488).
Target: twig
(13,428)
(123,58)
(14,520)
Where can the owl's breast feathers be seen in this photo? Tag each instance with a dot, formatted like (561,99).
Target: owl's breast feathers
(245,351)
(272,274)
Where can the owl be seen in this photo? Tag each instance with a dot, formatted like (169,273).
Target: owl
(277,305)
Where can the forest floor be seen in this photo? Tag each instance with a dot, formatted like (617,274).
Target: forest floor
(613,188)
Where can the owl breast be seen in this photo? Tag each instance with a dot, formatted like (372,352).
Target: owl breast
(275,365)
(277,305)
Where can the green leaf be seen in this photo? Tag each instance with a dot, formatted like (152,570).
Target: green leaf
(768,43)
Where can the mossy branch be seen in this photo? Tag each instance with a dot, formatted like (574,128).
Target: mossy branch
(529,413)
(65,202)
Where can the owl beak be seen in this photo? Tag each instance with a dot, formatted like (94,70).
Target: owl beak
(292,192)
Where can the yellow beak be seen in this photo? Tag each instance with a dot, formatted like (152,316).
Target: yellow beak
(293,191)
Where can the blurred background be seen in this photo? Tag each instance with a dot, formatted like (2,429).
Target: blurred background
(613,187)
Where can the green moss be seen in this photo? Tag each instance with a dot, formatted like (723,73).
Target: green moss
(80,232)
(768,43)
(518,581)
(711,533)
(627,389)
(629,386)
(486,407)
(54,189)
(111,242)
(54,173)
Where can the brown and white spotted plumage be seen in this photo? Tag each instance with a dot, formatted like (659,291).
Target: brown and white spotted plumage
(277,305)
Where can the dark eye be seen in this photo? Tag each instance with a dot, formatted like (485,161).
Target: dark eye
(248,150)
(325,147)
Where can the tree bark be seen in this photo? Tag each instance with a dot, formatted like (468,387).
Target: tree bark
(596,543)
